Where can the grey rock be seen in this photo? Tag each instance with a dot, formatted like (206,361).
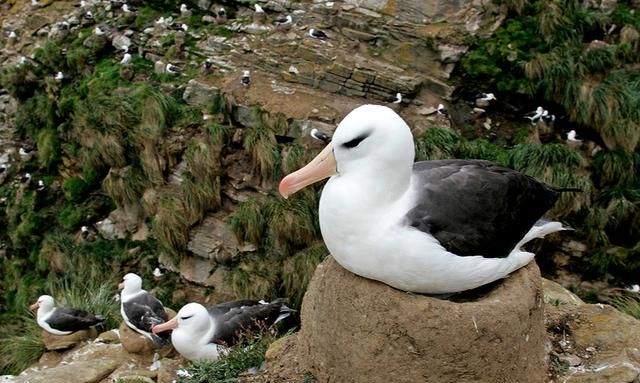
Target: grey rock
(213,239)
(87,371)
(198,93)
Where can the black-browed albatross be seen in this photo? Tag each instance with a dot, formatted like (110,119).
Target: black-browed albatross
(141,310)
(62,320)
(201,333)
(431,227)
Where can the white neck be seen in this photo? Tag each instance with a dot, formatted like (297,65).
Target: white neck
(194,343)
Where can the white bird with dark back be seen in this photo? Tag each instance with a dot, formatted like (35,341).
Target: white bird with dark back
(320,136)
(535,115)
(62,320)
(571,136)
(205,333)
(246,78)
(430,227)
(317,34)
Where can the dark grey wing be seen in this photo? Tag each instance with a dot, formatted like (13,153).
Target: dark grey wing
(222,308)
(70,319)
(240,320)
(474,207)
(145,311)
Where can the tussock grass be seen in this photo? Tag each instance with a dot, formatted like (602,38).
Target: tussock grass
(247,222)
(260,143)
(298,270)
(291,225)
(615,167)
(170,225)
(92,295)
(125,186)
(48,148)
(255,278)
(628,305)
(294,157)
(23,348)
(436,144)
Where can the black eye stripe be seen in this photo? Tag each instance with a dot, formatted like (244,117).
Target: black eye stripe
(185,318)
(356,141)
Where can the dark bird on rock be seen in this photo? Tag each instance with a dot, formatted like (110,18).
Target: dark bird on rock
(442,110)
(246,78)
(321,136)
(318,34)
(284,20)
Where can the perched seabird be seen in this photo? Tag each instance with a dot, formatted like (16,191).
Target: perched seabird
(172,69)
(3,168)
(13,35)
(35,3)
(321,136)
(317,34)
(84,231)
(221,15)
(126,9)
(284,20)
(535,115)
(184,11)
(126,59)
(246,78)
(487,97)
(140,310)
(398,98)
(258,8)
(88,15)
(430,227)
(25,152)
(442,110)
(548,117)
(98,31)
(157,273)
(59,76)
(571,136)
(201,333)
(62,320)
(25,179)
(40,186)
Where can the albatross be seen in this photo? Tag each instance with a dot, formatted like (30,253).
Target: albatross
(201,333)
(433,227)
(62,320)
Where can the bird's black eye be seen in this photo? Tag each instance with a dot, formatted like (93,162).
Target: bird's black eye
(187,317)
(356,141)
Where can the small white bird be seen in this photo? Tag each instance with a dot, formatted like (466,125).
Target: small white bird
(258,8)
(398,99)
(88,15)
(24,152)
(172,69)
(321,136)
(26,178)
(184,27)
(160,21)
(246,78)
(571,136)
(125,8)
(535,116)
(318,34)
(284,20)
(83,3)
(40,186)
(126,59)
(3,168)
(98,32)
(13,35)
(634,288)
(442,110)
(487,96)
(59,76)
(222,12)
(184,11)
(157,273)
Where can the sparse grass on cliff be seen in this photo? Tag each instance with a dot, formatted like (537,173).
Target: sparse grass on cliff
(628,305)
(229,367)
(21,347)
(436,144)
(298,270)
(93,295)
(170,224)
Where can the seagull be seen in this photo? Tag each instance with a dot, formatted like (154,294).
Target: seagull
(442,110)
(398,98)
(84,231)
(432,227)
(487,97)
(284,20)
(204,333)
(126,59)
(59,77)
(321,136)
(571,136)
(98,32)
(317,34)
(535,116)
(140,310)
(62,320)
(258,8)
(172,69)
(246,79)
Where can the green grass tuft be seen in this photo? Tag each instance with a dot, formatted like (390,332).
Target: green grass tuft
(628,305)
(22,348)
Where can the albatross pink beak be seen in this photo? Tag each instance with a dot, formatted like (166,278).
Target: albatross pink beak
(34,306)
(321,167)
(173,323)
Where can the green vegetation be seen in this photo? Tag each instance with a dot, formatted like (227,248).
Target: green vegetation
(628,305)
(227,368)
(20,349)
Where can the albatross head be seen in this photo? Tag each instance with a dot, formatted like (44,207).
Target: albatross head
(44,305)
(371,141)
(192,318)
(130,285)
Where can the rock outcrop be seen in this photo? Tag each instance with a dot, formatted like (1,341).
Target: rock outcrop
(63,342)
(359,330)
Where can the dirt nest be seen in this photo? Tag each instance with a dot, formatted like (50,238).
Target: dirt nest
(359,330)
